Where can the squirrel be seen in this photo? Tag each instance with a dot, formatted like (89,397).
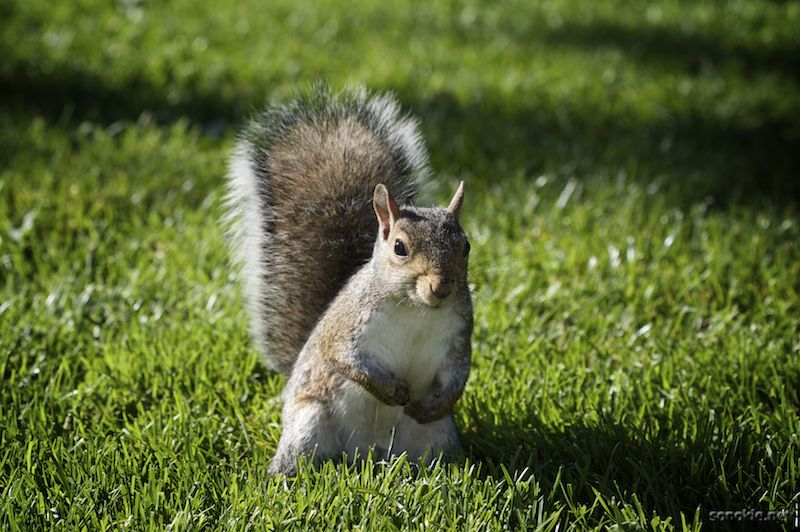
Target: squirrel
(360,298)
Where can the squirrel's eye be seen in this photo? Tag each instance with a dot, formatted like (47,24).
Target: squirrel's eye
(466,249)
(400,248)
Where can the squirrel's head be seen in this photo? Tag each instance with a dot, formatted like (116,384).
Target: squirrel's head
(422,252)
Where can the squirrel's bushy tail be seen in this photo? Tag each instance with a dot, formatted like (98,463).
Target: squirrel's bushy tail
(299,204)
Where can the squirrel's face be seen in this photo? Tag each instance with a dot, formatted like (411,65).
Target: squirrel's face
(423,252)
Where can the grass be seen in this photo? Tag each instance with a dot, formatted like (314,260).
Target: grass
(632,185)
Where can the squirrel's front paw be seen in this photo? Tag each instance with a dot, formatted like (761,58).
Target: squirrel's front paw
(423,412)
(397,393)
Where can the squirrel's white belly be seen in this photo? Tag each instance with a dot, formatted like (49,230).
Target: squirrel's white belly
(412,344)
(410,341)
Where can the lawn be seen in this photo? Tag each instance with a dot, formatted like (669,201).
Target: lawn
(632,181)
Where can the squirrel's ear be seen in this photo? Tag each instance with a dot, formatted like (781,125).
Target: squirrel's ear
(457,201)
(386,209)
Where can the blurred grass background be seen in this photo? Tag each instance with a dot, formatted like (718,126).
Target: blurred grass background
(632,181)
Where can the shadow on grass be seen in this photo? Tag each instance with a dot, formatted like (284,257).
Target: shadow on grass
(666,477)
(678,51)
(688,157)
(71,96)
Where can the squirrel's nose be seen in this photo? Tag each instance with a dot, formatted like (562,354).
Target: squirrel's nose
(441,289)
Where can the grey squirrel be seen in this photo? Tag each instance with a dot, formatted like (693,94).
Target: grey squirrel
(359,297)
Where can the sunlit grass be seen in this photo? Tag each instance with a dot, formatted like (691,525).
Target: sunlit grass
(632,177)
